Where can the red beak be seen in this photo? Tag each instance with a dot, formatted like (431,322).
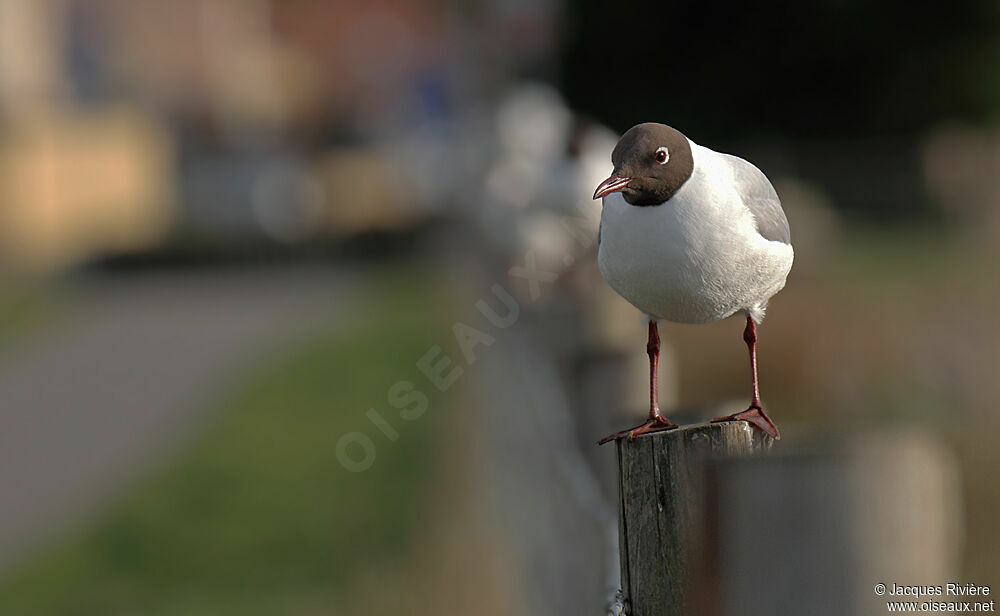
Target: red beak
(610,185)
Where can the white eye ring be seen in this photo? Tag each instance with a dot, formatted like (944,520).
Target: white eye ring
(665,155)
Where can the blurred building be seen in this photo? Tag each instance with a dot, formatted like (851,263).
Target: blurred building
(231,120)
(76,183)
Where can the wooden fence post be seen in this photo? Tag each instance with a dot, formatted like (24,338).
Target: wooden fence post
(662,513)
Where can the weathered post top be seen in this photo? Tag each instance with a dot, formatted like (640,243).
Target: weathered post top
(661,479)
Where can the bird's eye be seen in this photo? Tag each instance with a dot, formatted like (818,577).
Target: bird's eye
(662,156)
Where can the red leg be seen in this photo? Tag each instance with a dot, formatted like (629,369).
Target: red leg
(755,414)
(656,421)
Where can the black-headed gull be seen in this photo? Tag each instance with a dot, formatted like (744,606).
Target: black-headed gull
(691,235)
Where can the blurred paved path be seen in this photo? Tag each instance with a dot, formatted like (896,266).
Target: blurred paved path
(90,402)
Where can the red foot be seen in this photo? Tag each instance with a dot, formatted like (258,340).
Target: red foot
(658,424)
(757,417)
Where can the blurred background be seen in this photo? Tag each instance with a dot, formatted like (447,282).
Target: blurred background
(300,311)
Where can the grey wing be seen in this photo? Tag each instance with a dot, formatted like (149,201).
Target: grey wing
(759,196)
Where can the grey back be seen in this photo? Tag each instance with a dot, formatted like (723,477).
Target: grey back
(759,196)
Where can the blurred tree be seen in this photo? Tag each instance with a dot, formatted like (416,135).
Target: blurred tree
(792,69)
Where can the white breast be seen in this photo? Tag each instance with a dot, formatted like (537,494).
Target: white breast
(696,258)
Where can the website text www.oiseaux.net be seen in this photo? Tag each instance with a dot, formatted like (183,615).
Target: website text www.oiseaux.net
(949,598)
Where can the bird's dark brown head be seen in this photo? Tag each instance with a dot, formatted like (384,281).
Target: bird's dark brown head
(652,161)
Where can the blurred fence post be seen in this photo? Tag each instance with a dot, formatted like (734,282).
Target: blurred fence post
(662,522)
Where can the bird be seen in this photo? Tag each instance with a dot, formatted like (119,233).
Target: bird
(691,235)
